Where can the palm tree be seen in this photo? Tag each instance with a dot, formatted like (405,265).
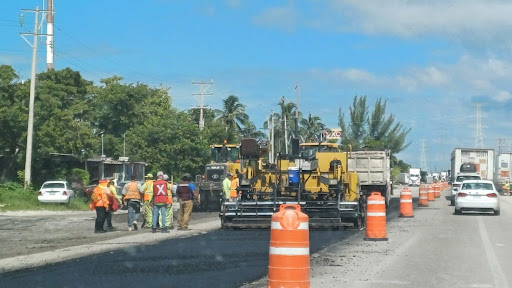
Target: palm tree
(287,112)
(311,128)
(251,131)
(232,114)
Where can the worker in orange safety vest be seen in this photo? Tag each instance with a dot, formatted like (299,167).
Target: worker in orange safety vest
(99,202)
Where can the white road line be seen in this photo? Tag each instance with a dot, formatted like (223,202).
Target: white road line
(499,278)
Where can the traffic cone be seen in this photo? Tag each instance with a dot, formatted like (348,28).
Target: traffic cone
(406,203)
(288,264)
(376,218)
(430,193)
(423,200)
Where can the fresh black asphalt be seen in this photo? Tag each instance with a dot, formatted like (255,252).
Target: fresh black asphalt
(222,258)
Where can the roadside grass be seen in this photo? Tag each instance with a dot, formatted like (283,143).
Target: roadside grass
(14,198)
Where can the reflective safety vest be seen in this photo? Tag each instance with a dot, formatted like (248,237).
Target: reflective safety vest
(132,191)
(169,193)
(99,196)
(160,192)
(148,192)
(234,185)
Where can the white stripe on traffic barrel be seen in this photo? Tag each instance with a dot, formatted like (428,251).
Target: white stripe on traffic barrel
(288,251)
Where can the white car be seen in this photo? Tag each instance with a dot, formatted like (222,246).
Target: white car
(477,196)
(458,181)
(55,192)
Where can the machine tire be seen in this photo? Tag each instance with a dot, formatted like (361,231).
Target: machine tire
(497,212)
(458,212)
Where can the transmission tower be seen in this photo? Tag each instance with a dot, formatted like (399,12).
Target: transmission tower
(423,159)
(479,138)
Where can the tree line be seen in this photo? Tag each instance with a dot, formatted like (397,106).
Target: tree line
(71,114)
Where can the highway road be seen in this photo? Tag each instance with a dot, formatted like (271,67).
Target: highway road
(433,249)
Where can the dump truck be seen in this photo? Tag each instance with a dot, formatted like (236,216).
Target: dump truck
(316,178)
(373,169)
(224,158)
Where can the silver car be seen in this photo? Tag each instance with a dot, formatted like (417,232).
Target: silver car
(477,196)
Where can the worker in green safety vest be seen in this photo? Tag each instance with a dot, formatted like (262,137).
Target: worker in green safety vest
(147,187)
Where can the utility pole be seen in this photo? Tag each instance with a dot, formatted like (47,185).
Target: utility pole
(49,38)
(203,87)
(30,128)
(297,111)
(271,137)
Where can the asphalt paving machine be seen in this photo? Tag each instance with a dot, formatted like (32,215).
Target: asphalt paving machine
(314,176)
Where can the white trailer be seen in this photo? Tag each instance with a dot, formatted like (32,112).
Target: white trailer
(373,170)
(403,178)
(502,169)
(482,158)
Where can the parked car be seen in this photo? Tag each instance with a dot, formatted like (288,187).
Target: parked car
(458,181)
(477,196)
(55,192)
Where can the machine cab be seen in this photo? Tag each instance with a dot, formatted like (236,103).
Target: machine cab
(225,153)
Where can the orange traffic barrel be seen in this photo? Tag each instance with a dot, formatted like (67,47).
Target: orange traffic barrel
(437,190)
(423,199)
(288,264)
(430,193)
(406,203)
(376,218)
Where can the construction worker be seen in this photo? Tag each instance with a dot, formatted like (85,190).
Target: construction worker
(235,182)
(160,201)
(132,195)
(168,212)
(112,196)
(506,188)
(226,185)
(186,194)
(147,188)
(99,201)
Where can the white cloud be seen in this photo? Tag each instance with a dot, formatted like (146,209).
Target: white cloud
(282,17)
(502,96)
(462,18)
(420,77)
(354,75)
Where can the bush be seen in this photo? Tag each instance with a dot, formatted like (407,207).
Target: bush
(80,175)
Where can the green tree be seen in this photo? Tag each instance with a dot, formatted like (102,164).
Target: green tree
(377,131)
(311,128)
(250,130)
(13,123)
(282,119)
(233,116)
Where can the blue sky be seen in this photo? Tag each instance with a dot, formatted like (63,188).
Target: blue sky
(430,59)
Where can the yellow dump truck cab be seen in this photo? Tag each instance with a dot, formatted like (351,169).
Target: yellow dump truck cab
(224,158)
